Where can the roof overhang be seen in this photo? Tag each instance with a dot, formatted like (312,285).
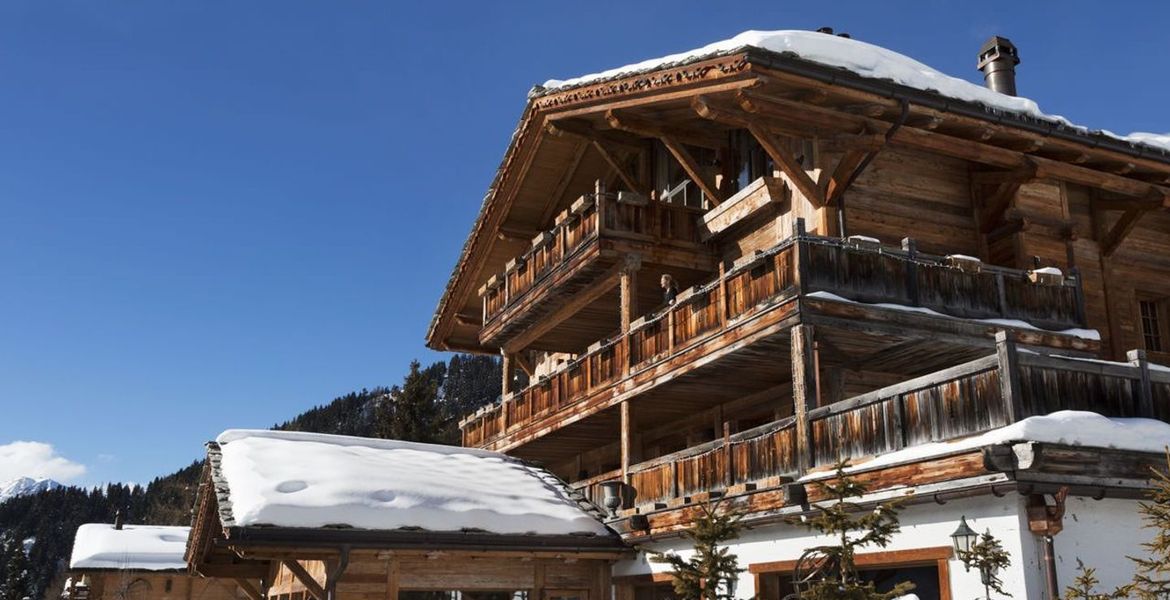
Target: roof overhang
(738,69)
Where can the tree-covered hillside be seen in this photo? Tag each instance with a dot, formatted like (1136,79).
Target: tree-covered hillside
(37,530)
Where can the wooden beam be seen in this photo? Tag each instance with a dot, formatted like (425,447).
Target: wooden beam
(603,286)
(642,126)
(525,362)
(1046,168)
(566,178)
(835,184)
(393,577)
(250,590)
(506,373)
(674,142)
(627,439)
(1120,230)
(628,282)
(586,131)
(789,165)
(305,578)
(804,392)
(632,183)
(693,170)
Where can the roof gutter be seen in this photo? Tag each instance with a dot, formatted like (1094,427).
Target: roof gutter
(244,537)
(936,101)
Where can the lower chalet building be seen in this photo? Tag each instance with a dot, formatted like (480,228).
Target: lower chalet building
(961,295)
(141,562)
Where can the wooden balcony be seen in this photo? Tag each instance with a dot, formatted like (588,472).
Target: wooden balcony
(748,306)
(586,244)
(968,399)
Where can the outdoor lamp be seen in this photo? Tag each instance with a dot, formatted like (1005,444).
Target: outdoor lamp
(963,538)
(612,495)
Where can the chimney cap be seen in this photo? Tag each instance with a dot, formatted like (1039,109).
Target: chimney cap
(997,48)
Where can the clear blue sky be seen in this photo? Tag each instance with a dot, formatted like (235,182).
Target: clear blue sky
(218,214)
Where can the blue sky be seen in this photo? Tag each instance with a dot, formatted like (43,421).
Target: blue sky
(219,214)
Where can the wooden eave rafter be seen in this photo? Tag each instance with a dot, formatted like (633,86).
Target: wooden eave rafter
(675,140)
(785,161)
(305,578)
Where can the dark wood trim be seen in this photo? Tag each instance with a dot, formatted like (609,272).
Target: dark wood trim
(937,556)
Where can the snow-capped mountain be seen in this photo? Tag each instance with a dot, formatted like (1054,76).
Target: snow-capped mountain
(25,485)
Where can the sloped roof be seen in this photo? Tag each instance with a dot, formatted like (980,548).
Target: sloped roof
(134,547)
(275,479)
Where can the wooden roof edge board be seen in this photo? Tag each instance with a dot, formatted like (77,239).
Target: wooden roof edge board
(242,538)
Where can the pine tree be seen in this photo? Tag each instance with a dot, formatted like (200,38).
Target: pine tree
(414,409)
(1086,582)
(852,527)
(709,572)
(1152,579)
(17,583)
(989,558)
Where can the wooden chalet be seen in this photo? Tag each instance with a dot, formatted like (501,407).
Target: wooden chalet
(139,562)
(324,517)
(867,264)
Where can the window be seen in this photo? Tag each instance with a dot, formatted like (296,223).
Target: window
(926,568)
(1153,323)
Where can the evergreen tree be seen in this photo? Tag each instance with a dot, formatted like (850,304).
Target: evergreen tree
(1085,584)
(835,576)
(414,407)
(989,558)
(17,581)
(708,573)
(1152,579)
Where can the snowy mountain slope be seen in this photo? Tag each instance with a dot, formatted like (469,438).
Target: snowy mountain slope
(22,486)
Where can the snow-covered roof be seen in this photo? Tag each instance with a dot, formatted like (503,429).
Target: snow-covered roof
(306,480)
(860,58)
(134,547)
(1065,427)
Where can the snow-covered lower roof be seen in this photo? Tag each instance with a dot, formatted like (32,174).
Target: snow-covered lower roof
(306,480)
(860,58)
(1066,427)
(134,547)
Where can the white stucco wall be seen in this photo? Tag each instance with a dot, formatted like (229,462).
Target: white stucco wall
(923,526)
(1102,534)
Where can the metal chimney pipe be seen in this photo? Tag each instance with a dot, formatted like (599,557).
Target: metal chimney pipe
(998,59)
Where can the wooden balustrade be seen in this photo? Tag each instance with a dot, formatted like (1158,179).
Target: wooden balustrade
(754,283)
(592,216)
(964,400)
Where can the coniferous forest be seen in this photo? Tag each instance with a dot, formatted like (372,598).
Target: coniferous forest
(37,530)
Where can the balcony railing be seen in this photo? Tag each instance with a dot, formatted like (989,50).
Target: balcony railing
(961,401)
(802,264)
(590,218)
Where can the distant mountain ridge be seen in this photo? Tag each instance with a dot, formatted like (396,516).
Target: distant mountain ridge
(23,486)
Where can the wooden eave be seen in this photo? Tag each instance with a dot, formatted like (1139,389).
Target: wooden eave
(242,539)
(782,93)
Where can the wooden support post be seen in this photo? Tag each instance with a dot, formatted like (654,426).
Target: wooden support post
(627,440)
(1009,376)
(392,579)
(729,468)
(722,295)
(629,289)
(1144,391)
(911,249)
(804,393)
(506,383)
(799,273)
(538,579)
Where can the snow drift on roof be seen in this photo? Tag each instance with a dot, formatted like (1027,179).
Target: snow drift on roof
(134,547)
(292,479)
(866,60)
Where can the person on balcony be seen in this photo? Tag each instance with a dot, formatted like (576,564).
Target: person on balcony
(669,289)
